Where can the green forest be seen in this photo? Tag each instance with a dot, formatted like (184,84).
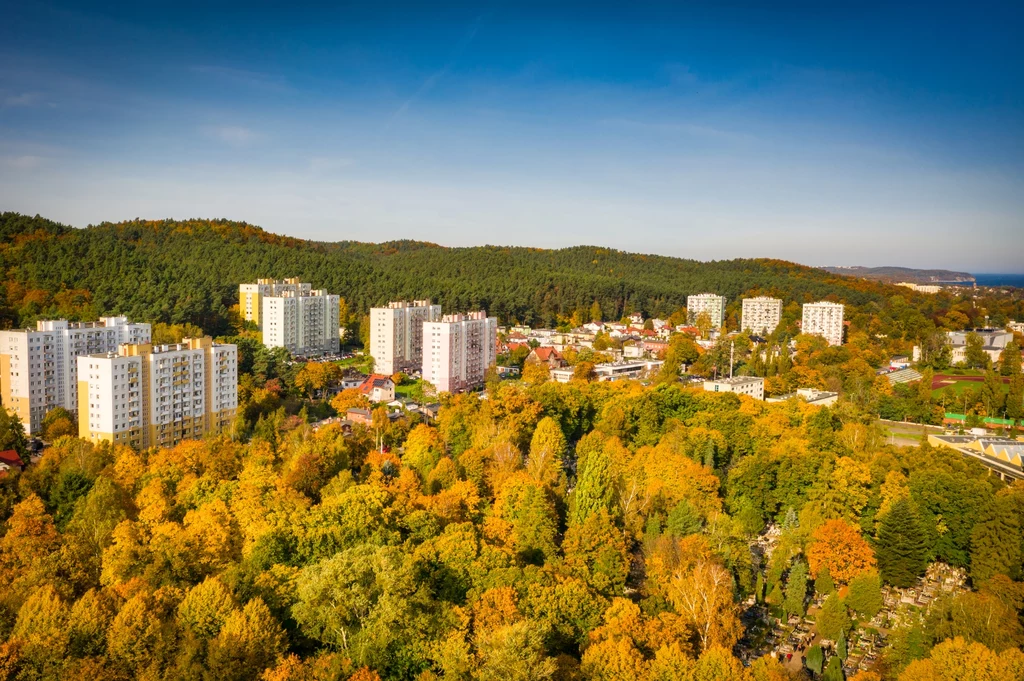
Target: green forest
(189,271)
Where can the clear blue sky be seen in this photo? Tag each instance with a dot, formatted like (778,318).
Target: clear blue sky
(864,133)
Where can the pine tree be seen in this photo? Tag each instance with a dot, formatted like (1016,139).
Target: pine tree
(841,647)
(1009,359)
(901,550)
(796,589)
(834,671)
(683,520)
(993,546)
(815,659)
(709,454)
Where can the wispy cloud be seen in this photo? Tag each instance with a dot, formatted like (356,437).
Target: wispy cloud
(324,164)
(432,80)
(23,162)
(24,99)
(253,79)
(235,135)
(682,128)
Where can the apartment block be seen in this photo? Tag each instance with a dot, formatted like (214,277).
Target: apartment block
(707,302)
(156,396)
(396,334)
(741,385)
(761,315)
(824,319)
(250,296)
(38,368)
(306,323)
(458,349)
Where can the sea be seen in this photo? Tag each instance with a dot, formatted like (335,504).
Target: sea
(1016,280)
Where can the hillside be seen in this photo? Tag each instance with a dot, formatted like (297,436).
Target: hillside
(189,271)
(896,274)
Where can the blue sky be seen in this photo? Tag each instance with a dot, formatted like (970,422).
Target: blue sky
(865,133)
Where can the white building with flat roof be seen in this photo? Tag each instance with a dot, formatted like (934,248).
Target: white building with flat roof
(824,319)
(458,349)
(38,369)
(156,396)
(761,315)
(396,334)
(713,304)
(250,296)
(306,323)
(741,385)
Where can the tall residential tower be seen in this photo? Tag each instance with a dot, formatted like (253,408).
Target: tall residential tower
(38,369)
(761,315)
(824,319)
(458,350)
(396,335)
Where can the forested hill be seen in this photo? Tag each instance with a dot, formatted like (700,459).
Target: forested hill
(189,271)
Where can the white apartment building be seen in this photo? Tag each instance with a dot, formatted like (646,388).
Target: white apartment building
(156,396)
(741,385)
(707,302)
(396,334)
(304,323)
(38,369)
(761,315)
(458,349)
(824,319)
(250,296)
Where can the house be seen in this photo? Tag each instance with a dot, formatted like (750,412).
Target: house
(352,379)
(636,318)
(547,356)
(362,416)
(378,388)
(508,372)
(9,459)
(430,410)
(741,385)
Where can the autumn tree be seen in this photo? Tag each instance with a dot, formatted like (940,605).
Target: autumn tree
(839,547)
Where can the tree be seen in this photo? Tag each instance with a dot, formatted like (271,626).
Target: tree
(1009,359)
(796,589)
(815,659)
(249,642)
(583,371)
(513,653)
(205,608)
(823,584)
(58,422)
(596,553)
(703,596)
(595,312)
(901,550)
(865,595)
(595,486)
(833,620)
(547,448)
(957,660)
(834,670)
(703,323)
(996,542)
(975,355)
(12,433)
(839,547)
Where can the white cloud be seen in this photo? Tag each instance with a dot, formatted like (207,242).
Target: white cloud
(235,135)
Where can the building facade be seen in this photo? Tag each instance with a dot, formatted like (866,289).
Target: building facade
(458,349)
(38,368)
(250,296)
(156,396)
(741,385)
(707,302)
(396,334)
(824,319)
(761,315)
(306,323)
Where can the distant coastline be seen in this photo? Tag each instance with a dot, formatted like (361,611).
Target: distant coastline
(1015,280)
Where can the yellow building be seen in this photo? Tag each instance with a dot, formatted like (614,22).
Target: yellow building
(250,296)
(156,396)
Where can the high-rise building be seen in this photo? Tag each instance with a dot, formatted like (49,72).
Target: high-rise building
(38,371)
(824,319)
(306,323)
(761,315)
(156,396)
(396,335)
(458,349)
(707,302)
(250,296)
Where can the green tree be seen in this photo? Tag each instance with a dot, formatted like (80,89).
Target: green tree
(815,659)
(865,595)
(12,434)
(547,448)
(1009,359)
(595,486)
(683,520)
(823,584)
(834,670)
(975,356)
(901,551)
(996,542)
(796,589)
(833,620)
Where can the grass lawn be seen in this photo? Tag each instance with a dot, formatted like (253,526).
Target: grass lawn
(412,390)
(960,386)
(359,363)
